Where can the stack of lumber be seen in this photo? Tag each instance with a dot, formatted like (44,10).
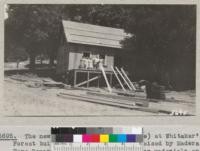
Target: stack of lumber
(127,102)
(133,105)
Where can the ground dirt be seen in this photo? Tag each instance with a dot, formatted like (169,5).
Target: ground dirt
(24,98)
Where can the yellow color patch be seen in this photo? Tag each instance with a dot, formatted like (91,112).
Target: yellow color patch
(104,138)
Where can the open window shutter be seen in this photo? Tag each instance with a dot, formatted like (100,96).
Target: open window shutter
(105,60)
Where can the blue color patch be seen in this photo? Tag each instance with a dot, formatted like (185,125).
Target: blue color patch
(131,138)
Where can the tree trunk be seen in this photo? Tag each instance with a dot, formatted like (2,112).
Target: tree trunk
(32,61)
(41,59)
(52,57)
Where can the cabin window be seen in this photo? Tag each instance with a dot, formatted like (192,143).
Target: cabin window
(103,58)
(86,55)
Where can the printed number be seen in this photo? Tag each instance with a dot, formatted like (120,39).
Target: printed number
(6,135)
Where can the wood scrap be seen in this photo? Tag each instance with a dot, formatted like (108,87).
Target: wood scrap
(18,78)
(103,102)
(100,98)
(54,84)
(104,75)
(118,78)
(87,81)
(113,96)
(128,80)
(123,78)
(33,84)
(121,98)
(82,88)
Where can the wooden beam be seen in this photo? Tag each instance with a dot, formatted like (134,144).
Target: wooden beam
(88,78)
(123,78)
(107,102)
(118,78)
(117,97)
(87,81)
(75,76)
(153,107)
(104,75)
(131,84)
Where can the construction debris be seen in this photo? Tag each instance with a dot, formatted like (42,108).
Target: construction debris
(118,78)
(110,102)
(87,81)
(123,78)
(133,104)
(128,80)
(36,82)
(127,99)
(104,75)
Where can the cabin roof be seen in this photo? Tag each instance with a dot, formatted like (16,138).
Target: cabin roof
(89,34)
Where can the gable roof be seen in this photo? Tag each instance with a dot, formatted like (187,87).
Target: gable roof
(82,33)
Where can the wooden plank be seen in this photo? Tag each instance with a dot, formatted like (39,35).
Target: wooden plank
(87,81)
(119,97)
(119,103)
(124,102)
(123,78)
(88,78)
(104,75)
(75,76)
(83,88)
(129,81)
(111,79)
(118,78)
(99,101)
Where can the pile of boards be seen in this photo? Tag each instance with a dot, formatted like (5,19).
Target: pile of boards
(125,101)
(35,82)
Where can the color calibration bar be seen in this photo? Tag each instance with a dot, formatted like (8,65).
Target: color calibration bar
(97,135)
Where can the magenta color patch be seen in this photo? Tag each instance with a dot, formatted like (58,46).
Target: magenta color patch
(86,138)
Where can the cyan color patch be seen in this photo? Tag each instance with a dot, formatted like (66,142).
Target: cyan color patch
(121,138)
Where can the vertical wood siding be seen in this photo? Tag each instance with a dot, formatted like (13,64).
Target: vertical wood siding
(69,56)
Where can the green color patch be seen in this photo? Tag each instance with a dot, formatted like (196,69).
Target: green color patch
(112,138)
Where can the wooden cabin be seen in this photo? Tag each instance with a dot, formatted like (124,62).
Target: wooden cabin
(85,42)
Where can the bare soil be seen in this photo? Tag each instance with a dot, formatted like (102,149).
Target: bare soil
(26,98)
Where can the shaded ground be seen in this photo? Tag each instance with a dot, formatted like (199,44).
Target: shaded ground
(21,99)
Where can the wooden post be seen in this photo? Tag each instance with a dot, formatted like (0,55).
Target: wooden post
(88,77)
(104,75)
(98,80)
(131,84)
(118,78)
(75,77)
(111,79)
(123,78)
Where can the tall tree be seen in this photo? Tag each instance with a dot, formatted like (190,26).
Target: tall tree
(35,27)
(162,47)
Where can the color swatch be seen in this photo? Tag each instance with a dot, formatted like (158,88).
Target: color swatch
(97,135)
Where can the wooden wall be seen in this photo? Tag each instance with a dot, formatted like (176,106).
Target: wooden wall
(76,52)
(62,59)
(69,56)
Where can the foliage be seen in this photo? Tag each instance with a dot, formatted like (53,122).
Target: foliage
(164,42)
(35,27)
(162,48)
